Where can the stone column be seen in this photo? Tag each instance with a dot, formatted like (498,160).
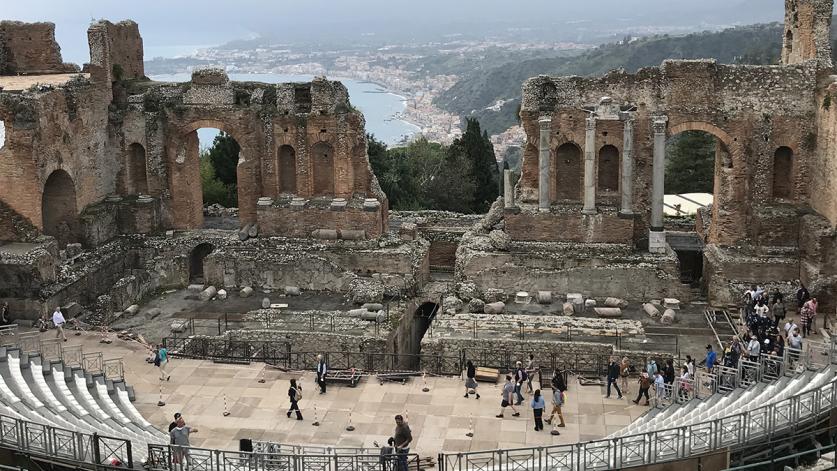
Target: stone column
(628,167)
(543,163)
(590,167)
(508,189)
(657,235)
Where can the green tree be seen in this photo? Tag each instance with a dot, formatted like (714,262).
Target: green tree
(690,163)
(213,190)
(476,147)
(224,156)
(452,189)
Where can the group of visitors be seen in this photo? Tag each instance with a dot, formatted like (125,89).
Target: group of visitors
(511,395)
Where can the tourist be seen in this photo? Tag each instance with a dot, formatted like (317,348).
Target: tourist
(295,395)
(387,453)
(802,296)
(624,372)
(668,371)
(558,388)
(759,292)
(685,384)
(471,379)
(403,437)
(709,361)
(778,346)
(778,310)
(659,386)
(644,386)
(795,346)
(749,301)
(538,405)
(754,349)
(520,377)
(761,308)
(180,439)
(777,296)
(508,398)
(59,321)
(808,316)
(790,326)
(651,368)
(690,364)
(172,425)
(531,369)
(322,371)
(612,378)
(5,317)
(161,360)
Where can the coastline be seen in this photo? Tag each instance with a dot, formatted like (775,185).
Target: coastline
(418,129)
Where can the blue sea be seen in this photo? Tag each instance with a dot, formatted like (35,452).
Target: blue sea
(377,105)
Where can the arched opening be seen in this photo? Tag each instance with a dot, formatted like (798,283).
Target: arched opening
(789,42)
(568,172)
(218,156)
(608,171)
(58,208)
(783,173)
(322,160)
(136,181)
(287,169)
(422,319)
(693,158)
(196,259)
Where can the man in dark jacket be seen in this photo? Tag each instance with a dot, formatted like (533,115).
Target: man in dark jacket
(613,378)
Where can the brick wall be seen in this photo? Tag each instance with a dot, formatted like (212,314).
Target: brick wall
(30,48)
(558,225)
(291,222)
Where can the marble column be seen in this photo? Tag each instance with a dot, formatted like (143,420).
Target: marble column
(657,235)
(628,167)
(508,189)
(543,163)
(590,167)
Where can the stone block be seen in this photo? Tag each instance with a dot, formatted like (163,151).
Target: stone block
(154,312)
(492,295)
(292,291)
(608,312)
(265,303)
(298,204)
(373,306)
(568,309)
(495,308)
(371,204)
(265,201)
(72,250)
(71,310)
(499,240)
(253,231)
(668,317)
(651,310)
(671,303)
(169,234)
(356,312)
(179,325)
(132,310)
(476,305)
(338,204)
(616,302)
(196,288)
(246,292)
(522,297)
(408,231)
(222,294)
(208,293)
(589,304)
(451,304)
(544,297)
(244,233)
(325,234)
(351,234)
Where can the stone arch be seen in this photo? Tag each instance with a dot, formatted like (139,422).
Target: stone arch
(196,259)
(789,42)
(719,133)
(608,170)
(322,163)
(782,184)
(136,181)
(58,207)
(286,156)
(569,172)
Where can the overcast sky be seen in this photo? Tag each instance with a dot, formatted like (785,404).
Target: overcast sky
(168,24)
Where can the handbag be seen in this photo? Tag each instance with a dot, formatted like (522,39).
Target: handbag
(470,383)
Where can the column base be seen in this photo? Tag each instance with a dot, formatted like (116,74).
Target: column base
(589,212)
(627,214)
(657,242)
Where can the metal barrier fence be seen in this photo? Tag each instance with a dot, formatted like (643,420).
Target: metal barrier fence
(176,458)
(66,445)
(32,343)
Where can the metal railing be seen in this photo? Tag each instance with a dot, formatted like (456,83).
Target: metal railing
(66,445)
(50,349)
(177,458)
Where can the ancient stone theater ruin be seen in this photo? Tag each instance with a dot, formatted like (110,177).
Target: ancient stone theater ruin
(102,215)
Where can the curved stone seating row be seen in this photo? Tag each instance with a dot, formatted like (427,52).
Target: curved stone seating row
(723,405)
(56,395)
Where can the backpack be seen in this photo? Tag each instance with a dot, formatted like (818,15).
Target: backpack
(523,375)
(297,395)
(644,382)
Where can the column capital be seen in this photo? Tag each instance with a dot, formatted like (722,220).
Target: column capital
(659,123)
(545,122)
(591,123)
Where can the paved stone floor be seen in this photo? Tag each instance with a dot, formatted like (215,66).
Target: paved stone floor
(439,418)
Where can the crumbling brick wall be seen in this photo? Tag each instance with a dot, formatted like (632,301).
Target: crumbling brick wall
(30,48)
(116,49)
(807,31)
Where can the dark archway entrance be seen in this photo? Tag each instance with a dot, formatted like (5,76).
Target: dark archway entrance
(196,259)
(58,208)
(323,168)
(568,169)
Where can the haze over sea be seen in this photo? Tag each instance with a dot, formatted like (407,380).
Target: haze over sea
(377,105)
